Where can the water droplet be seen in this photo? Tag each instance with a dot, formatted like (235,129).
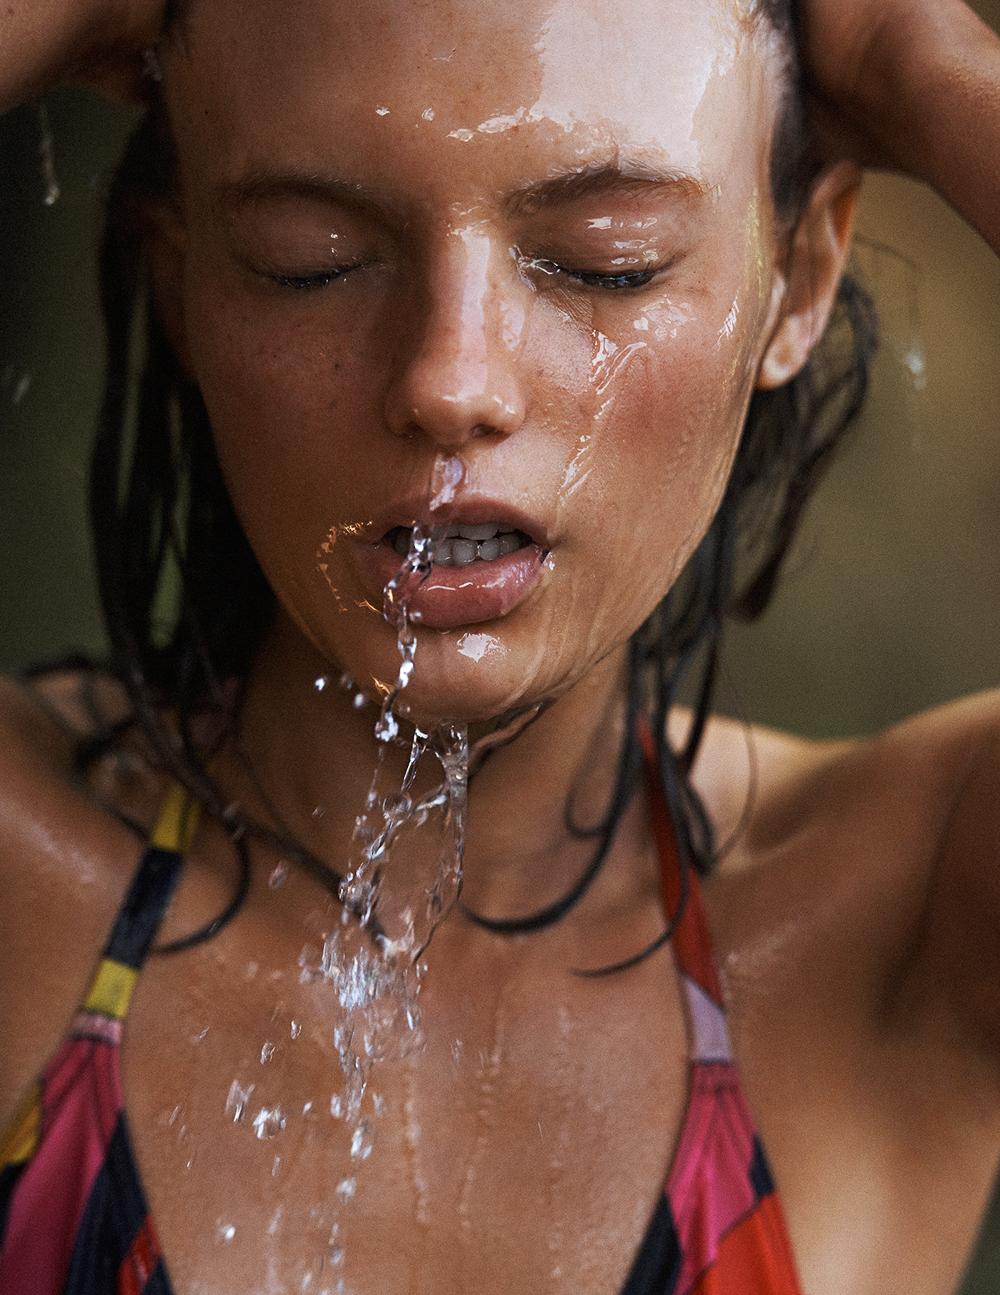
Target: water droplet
(449,473)
(269,1122)
(237,1101)
(225,1232)
(199,1037)
(266,1052)
(46,151)
(362,1141)
(295,1029)
(278,876)
(22,388)
(347,1188)
(322,683)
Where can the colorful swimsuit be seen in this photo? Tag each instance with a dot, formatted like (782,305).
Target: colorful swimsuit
(73,1214)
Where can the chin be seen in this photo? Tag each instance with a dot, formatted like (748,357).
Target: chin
(469,675)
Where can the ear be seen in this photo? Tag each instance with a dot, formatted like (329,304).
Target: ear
(814,264)
(166,250)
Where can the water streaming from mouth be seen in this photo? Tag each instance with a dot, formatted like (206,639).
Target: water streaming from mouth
(371,959)
(402,875)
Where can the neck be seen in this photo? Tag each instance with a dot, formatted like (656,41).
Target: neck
(313,753)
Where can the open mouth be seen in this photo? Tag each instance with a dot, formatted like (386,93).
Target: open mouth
(464,545)
(489,556)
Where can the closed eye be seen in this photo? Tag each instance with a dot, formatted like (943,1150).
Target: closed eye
(321,279)
(613,281)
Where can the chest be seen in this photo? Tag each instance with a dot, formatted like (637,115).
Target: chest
(523,1146)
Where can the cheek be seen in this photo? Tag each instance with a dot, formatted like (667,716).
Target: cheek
(280,375)
(294,398)
(668,431)
(632,423)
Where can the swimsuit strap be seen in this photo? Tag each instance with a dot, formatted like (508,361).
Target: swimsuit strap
(141,913)
(691,938)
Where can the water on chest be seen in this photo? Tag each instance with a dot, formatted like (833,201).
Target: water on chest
(522,1147)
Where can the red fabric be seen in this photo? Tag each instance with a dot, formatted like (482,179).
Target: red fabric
(82,1097)
(754,1259)
(692,945)
(138,1264)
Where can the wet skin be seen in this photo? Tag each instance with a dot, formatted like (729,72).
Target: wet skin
(608,415)
(352,148)
(331,402)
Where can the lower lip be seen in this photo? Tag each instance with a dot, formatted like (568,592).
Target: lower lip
(451,597)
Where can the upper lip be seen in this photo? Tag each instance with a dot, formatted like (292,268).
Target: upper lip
(474,510)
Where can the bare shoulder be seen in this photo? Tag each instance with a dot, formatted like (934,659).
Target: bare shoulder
(64,864)
(880,856)
(955,970)
(765,784)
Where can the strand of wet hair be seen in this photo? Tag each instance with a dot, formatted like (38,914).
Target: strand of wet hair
(621,797)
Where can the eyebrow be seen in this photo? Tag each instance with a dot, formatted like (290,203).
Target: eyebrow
(593,179)
(262,183)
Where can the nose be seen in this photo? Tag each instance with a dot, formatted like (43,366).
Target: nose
(459,380)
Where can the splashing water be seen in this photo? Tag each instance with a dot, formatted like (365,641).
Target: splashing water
(238,1100)
(269,1122)
(372,958)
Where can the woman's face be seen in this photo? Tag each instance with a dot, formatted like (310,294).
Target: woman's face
(475,263)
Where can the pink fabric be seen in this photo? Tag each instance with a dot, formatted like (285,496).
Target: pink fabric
(81,1100)
(95,1025)
(709,1187)
(709,1032)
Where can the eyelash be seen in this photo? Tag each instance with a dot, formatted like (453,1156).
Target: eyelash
(631,281)
(305,282)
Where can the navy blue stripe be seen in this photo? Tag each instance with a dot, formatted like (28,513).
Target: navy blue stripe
(760,1171)
(9,1176)
(115,1211)
(142,912)
(658,1263)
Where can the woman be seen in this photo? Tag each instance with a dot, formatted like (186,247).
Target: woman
(528,270)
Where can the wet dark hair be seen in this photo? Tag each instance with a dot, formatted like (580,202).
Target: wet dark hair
(186,604)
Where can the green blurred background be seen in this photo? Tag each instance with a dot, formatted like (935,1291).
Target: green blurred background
(888,601)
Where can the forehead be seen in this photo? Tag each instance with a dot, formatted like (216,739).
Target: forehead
(457,85)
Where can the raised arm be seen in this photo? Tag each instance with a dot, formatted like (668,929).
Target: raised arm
(913,85)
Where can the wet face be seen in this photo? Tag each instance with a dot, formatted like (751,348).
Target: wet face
(499,266)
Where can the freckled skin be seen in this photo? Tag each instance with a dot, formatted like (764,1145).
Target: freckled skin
(862,990)
(447,332)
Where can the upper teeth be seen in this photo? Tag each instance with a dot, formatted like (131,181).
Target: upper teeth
(459,545)
(488,531)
